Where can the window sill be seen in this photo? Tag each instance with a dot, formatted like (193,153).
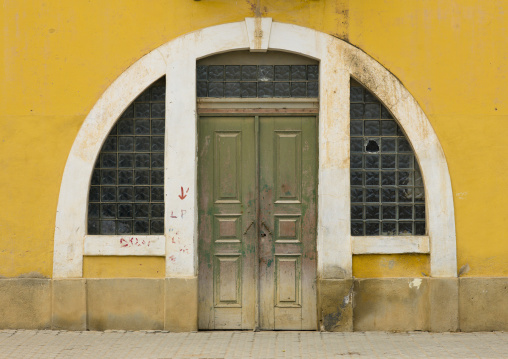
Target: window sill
(126,245)
(390,244)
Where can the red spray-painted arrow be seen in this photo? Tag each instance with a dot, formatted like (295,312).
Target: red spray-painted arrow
(182,196)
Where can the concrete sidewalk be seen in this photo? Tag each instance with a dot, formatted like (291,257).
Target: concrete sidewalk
(228,344)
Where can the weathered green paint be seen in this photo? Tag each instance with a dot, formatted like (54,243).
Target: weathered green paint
(240,228)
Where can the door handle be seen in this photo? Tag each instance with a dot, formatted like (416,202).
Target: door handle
(250,225)
(266,227)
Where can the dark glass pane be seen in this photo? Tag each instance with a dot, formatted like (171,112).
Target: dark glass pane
(388,128)
(96,178)
(419,194)
(388,144)
(215,89)
(142,160)
(265,89)
(157,194)
(388,178)
(389,195)
(144,97)
(93,226)
(387,161)
(372,161)
(157,144)
(125,127)
(141,194)
(159,93)
(158,127)
(108,160)
(312,89)
(157,177)
(157,210)
(108,211)
(124,227)
(371,128)
(215,73)
(125,210)
(157,160)
(356,111)
(158,110)
(372,228)
(109,144)
(405,212)
(108,177)
(389,229)
(141,227)
(141,110)
(249,72)
(93,210)
(356,129)
(356,94)
(233,72)
(405,178)
(141,210)
(389,212)
(372,212)
(405,161)
(356,161)
(313,72)
(125,177)
(94,194)
(202,89)
(248,89)
(232,89)
(385,113)
(372,178)
(356,195)
(298,89)
(418,176)
(282,89)
(156,227)
(356,145)
(125,144)
(405,228)
(357,229)
(405,194)
(371,195)
(419,212)
(108,194)
(126,160)
(142,144)
(265,73)
(420,228)
(125,194)
(142,177)
(356,212)
(372,110)
(202,72)
(298,72)
(128,113)
(282,72)
(404,145)
(369,97)
(356,178)
(108,227)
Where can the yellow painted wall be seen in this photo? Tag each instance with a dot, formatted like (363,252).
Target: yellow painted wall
(391,265)
(58,57)
(123,267)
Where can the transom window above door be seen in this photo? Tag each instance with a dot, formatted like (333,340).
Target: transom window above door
(250,75)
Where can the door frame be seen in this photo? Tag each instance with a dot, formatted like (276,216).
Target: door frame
(259,107)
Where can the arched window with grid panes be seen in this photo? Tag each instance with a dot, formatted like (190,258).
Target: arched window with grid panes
(387,191)
(127,186)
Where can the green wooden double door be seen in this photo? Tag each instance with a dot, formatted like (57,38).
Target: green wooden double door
(257,222)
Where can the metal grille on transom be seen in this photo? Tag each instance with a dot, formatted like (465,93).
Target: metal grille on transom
(250,81)
(387,193)
(127,186)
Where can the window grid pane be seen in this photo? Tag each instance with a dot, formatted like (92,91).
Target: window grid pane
(127,186)
(387,192)
(257,81)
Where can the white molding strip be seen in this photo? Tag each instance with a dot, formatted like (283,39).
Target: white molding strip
(128,245)
(390,245)
(176,59)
